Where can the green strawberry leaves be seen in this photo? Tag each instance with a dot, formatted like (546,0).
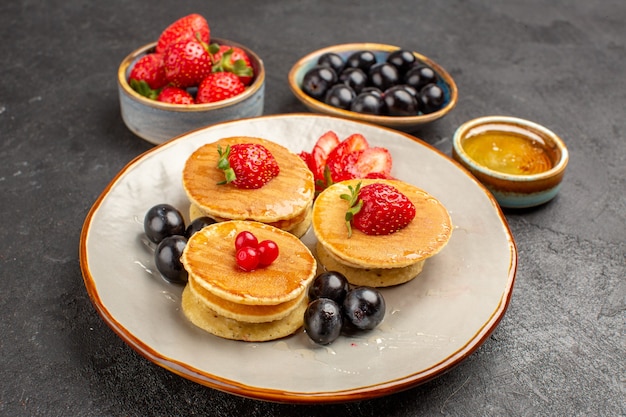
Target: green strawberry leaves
(239,67)
(142,88)
(224,165)
(355,205)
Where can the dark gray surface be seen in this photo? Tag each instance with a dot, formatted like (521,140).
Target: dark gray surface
(560,349)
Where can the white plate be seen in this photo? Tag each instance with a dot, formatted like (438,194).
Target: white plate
(432,323)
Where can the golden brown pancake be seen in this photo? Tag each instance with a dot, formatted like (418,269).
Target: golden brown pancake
(282,202)
(297,226)
(203,317)
(209,257)
(424,237)
(243,312)
(369,277)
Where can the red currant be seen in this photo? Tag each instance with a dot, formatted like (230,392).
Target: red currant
(245,239)
(248,258)
(268,252)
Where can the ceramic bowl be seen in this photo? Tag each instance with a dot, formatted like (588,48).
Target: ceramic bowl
(157,122)
(381,51)
(521,162)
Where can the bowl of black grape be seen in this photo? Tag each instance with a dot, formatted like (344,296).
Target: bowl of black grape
(375,83)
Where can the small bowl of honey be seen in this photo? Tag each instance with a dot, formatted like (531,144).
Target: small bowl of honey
(521,162)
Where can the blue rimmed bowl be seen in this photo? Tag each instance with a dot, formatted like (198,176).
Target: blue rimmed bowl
(157,122)
(381,51)
(521,162)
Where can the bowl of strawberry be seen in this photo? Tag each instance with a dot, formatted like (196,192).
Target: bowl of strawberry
(188,79)
(376,83)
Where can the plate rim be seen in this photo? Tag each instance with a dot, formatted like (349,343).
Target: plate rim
(280,395)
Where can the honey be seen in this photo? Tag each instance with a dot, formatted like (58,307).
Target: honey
(509,152)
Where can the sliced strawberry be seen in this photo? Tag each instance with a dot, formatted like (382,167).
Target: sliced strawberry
(342,166)
(373,163)
(342,158)
(323,147)
(307,157)
(190,27)
(354,142)
(379,176)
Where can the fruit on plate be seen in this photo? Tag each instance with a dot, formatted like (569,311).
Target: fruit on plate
(364,308)
(329,284)
(247,165)
(167,259)
(250,253)
(400,85)
(323,321)
(335,308)
(377,209)
(161,221)
(332,160)
(184,57)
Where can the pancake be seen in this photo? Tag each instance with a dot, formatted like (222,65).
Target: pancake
(243,312)
(209,257)
(369,277)
(283,202)
(386,255)
(205,318)
(297,226)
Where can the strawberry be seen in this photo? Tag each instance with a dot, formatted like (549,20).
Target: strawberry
(148,75)
(378,175)
(354,142)
(322,148)
(342,166)
(219,86)
(236,54)
(341,160)
(362,163)
(175,95)
(232,59)
(333,161)
(187,63)
(307,157)
(377,209)
(373,163)
(191,27)
(247,165)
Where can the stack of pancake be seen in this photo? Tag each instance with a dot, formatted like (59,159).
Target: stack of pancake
(379,261)
(265,304)
(285,202)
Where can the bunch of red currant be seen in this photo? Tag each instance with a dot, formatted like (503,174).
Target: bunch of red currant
(251,253)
